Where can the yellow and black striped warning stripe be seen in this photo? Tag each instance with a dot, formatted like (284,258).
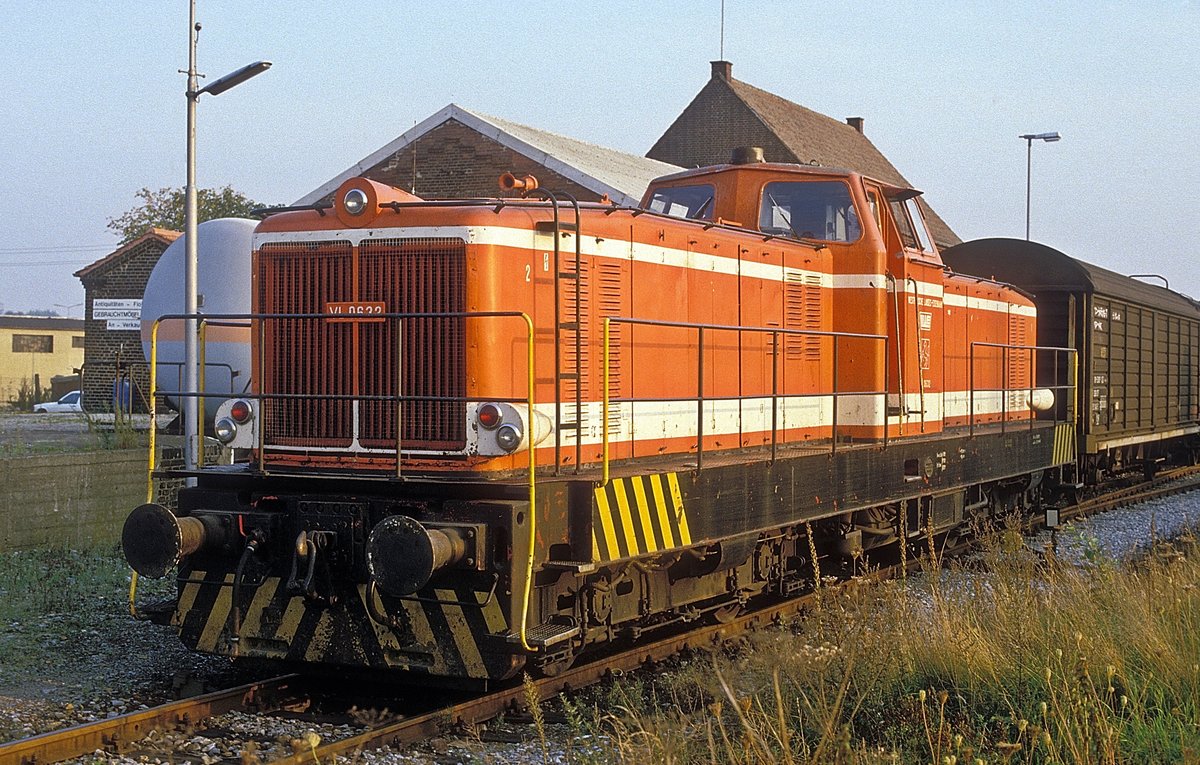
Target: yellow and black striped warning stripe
(444,636)
(638,515)
(1064,443)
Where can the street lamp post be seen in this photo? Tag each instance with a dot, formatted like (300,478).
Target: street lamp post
(1029,139)
(191,376)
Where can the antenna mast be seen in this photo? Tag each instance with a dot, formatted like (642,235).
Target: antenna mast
(722,30)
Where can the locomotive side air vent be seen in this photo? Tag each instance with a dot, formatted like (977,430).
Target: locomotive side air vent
(747,155)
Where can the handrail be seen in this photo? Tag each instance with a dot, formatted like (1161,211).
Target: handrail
(606,452)
(917,347)
(1005,348)
(261,318)
(133,578)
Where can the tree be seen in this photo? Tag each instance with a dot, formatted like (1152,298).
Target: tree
(164,209)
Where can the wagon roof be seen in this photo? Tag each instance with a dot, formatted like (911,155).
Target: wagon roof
(1039,268)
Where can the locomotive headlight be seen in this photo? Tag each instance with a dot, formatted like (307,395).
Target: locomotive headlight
(225,429)
(1042,399)
(508,437)
(355,201)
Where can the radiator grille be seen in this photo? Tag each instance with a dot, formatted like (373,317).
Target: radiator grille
(357,360)
(305,357)
(415,276)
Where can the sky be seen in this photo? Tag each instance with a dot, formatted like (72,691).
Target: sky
(92,106)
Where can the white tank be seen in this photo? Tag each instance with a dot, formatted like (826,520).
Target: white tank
(223,260)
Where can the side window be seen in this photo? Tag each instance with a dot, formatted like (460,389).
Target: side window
(900,215)
(873,200)
(684,201)
(821,210)
(910,224)
(918,223)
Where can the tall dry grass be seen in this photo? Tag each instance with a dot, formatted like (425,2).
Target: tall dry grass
(1019,660)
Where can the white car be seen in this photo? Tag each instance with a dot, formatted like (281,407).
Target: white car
(68,403)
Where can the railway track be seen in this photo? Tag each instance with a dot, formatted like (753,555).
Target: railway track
(120,734)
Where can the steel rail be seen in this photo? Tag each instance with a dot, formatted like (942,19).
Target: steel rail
(116,732)
(1170,482)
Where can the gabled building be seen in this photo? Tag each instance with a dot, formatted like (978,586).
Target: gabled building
(728,113)
(112,334)
(459,153)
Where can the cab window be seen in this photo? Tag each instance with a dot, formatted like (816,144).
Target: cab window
(684,201)
(821,210)
(910,224)
(900,216)
(918,221)
(873,201)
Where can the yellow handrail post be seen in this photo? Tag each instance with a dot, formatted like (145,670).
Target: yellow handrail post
(133,579)
(604,407)
(532,487)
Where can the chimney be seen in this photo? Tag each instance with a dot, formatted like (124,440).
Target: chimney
(855,122)
(721,70)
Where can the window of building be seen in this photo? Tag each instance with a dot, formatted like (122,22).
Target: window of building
(685,201)
(33,344)
(77,341)
(821,210)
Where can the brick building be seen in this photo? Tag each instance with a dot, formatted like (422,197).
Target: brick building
(35,349)
(458,153)
(728,113)
(113,347)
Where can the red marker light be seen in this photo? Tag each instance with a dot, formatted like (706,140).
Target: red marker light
(489,416)
(240,411)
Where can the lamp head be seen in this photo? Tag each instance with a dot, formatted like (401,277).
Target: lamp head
(235,78)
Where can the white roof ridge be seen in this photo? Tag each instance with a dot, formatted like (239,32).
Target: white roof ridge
(502,131)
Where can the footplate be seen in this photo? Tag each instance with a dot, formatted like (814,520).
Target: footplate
(548,634)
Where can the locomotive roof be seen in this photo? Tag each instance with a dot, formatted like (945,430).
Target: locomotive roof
(790,167)
(1039,268)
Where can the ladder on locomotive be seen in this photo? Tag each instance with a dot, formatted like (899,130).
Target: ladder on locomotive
(568,331)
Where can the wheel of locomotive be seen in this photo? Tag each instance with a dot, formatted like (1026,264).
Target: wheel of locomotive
(556,663)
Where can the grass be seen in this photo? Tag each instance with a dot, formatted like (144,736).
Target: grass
(96,433)
(1030,662)
(46,594)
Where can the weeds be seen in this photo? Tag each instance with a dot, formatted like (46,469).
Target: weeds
(29,392)
(533,702)
(47,595)
(115,431)
(1028,663)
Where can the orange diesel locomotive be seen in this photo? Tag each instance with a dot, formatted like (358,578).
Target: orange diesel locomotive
(490,433)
